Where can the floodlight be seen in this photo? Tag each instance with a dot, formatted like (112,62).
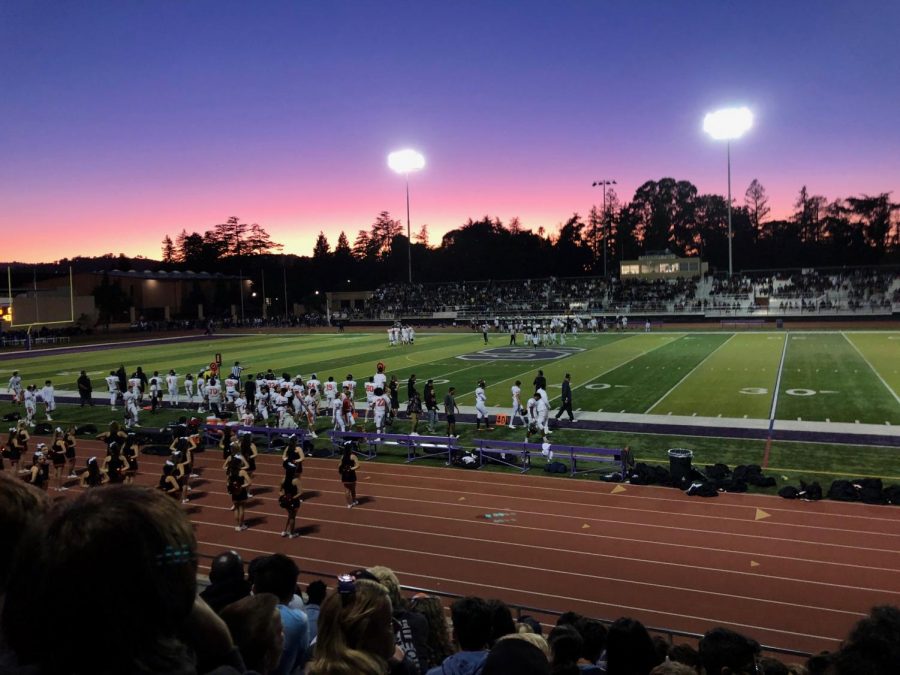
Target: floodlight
(728,124)
(405,161)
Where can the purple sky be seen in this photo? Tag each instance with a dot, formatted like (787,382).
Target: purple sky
(123,121)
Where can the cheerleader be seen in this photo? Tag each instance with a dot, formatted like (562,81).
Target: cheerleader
(130,452)
(167,481)
(237,485)
(289,498)
(249,451)
(69,440)
(93,476)
(225,442)
(58,458)
(294,454)
(347,468)
(17,445)
(39,474)
(113,464)
(183,456)
(113,435)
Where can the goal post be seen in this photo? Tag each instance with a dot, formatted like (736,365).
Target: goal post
(36,302)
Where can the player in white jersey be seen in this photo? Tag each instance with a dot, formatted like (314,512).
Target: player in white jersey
(231,388)
(189,387)
(404,335)
(336,417)
(380,379)
(481,412)
(155,385)
(330,390)
(298,391)
(172,385)
(214,396)
(544,397)
(542,413)
(132,413)
(48,396)
(370,396)
(240,405)
(314,386)
(516,391)
(15,387)
(29,398)
(350,384)
(309,403)
(532,409)
(262,403)
(112,383)
(412,335)
(134,386)
(380,406)
(390,332)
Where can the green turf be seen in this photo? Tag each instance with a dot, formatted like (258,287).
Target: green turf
(703,373)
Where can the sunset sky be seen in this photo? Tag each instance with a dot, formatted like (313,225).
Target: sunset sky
(122,121)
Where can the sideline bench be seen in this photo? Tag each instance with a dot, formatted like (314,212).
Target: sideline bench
(213,433)
(496,452)
(369,442)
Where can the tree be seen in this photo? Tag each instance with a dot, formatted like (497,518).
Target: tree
(322,248)
(362,246)
(382,234)
(515,225)
(757,203)
(168,250)
(665,214)
(232,234)
(422,236)
(877,225)
(260,243)
(342,250)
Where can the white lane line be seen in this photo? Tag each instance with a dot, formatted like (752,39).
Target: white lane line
(688,374)
(877,374)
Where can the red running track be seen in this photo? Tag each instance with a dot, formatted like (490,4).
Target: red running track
(792,575)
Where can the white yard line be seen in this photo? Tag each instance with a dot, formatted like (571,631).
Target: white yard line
(609,370)
(689,373)
(877,374)
(778,383)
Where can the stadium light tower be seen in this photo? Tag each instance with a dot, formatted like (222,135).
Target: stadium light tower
(603,183)
(728,124)
(405,161)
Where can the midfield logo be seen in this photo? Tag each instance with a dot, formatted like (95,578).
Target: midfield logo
(521,354)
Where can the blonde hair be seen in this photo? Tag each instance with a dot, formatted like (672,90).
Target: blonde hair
(533,638)
(389,580)
(345,620)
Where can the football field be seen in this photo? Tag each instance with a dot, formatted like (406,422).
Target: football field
(825,377)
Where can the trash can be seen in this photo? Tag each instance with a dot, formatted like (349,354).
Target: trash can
(680,465)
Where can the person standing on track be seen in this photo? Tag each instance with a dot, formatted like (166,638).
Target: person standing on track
(293,454)
(289,499)
(238,487)
(347,468)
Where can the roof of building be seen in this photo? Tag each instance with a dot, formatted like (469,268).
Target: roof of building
(163,275)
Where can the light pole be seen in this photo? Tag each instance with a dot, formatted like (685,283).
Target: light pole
(603,183)
(727,125)
(404,161)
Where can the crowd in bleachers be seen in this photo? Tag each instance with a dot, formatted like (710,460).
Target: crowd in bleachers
(107,583)
(806,292)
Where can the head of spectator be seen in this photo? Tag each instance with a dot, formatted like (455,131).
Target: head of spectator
(22,507)
(593,633)
(566,646)
(501,620)
(686,654)
(316,592)
(871,647)
(386,577)
(528,624)
(255,626)
(569,618)
(514,656)
(766,665)
(437,641)
(276,574)
(722,651)
(629,648)
(124,558)
(673,668)
(538,641)
(355,630)
(227,582)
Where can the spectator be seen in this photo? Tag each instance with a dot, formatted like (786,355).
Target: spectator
(514,656)
(410,627)
(437,645)
(315,595)
(766,665)
(873,645)
(355,631)
(672,668)
(593,633)
(226,581)
(255,626)
(471,628)
(125,560)
(277,574)
(685,654)
(629,649)
(22,508)
(501,620)
(724,651)
(566,646)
